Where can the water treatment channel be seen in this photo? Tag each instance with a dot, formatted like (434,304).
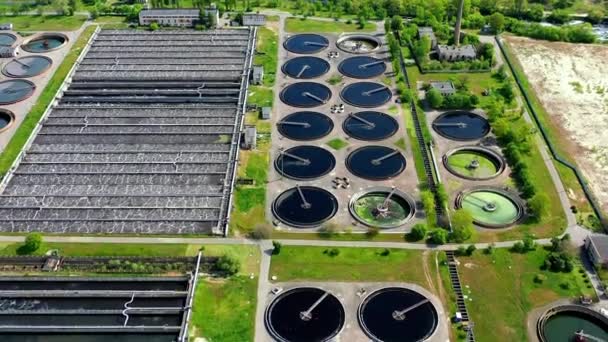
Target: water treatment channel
(491,207)
(382,207)
(7,39)
(461,125)
(358,43)
(375,162)
(305,206)
(572,323)
(305,94)
(45,42)
(396,314)
(305,314)
(362,67)
(307,43)
(28,66)
(305,67)
(304,162)
(13,91)
(370,126)
(474,163)
(304,126)
(366,94)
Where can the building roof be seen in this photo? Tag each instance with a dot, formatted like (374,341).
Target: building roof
(258,69)
(456,51)
(600,243)
(170,11)
(444,86)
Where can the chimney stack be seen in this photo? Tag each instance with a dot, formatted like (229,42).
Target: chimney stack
(458,22)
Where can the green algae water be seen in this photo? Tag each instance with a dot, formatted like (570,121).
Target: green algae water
(490,208)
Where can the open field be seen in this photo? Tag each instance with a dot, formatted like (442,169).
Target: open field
(44,22)
(298,25)
(571,83)
(503,291)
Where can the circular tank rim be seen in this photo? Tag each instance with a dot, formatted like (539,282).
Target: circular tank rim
(14,36)
(45,35)
(305,78)
(276,160)
(482,150)
(272,302)
(361,37)
(460,111)
(304,226)
(376,189)
(7,74)
(510,195)
(305,53)
(347,163)
(11,122)
(365,106)
(340,68)
(424,293)
(23,98)
(540,324)
(282,94)
(379,139)
(280,129)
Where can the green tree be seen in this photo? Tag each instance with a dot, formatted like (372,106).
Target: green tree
(418,232)
(434,97)
(497,22)
(32,243)
(153,26)
(538,206)
(397,23)
(276,247)
(228,264)
(438,236)
(462,225)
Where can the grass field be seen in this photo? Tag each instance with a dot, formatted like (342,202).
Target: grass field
(299,25)
(224,309)
(503,291)
(44,22)
(296,263)
(103,249)
(267,54)
(112,22)
(16,143)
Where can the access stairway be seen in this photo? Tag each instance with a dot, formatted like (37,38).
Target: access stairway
(460,301)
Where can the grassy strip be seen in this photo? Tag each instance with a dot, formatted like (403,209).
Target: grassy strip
(103,249)
(44,22)
(586,215)
(510,295)
(299,25)
(296,263)
(267,54)
(48,94)
(224,310)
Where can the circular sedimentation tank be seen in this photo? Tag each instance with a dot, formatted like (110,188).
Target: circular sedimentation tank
(305,314)
(305,126)
(13,91)
(396,314)
(7,118)
(45,42)
(7,39)
(28,66)
(568,323)
(474,163)
(304,162)
(305,206)
(307,43)
(362,67)
(375,162)
(491,207)
(366,94)
(306,67)
(358,43)
(370,126)
(461,125)
(305,94)
(382,207)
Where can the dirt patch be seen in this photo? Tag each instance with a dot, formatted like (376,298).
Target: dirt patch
(470,265)
(571,81)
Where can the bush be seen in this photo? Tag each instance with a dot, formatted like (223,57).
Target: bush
(333,252)
(462,225)
(154,26)
(276,247)
(490,249)
(518,247)
(537,206)
(461,251)
(385,252)
(559,262)
(228,265)
(261,231)
(540,278)
(438,236)
(418,232)
(372,232)
(471,249)
(32,243)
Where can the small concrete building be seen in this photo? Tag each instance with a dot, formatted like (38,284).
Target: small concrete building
(254,19)
(170,17)
(597,249)
(257,76)
(452,53)
(266,113)
(427,31)
(445,88)
(6,27)
(213,12)
(249,138)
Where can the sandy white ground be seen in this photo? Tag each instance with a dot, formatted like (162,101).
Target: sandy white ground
(571,81)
